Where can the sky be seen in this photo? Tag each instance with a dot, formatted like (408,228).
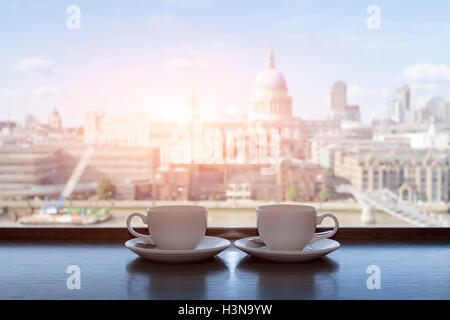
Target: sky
(147,55)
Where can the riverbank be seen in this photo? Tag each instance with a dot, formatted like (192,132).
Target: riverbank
(236,217)
(230,213)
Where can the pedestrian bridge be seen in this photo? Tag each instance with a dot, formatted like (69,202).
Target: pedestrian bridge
(387,201)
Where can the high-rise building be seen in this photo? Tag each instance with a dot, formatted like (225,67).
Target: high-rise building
(399,107)
(403,95)
(339,108)
(339,97)
(435,109)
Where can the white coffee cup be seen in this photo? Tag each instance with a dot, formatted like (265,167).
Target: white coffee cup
(177,227)
(290,227)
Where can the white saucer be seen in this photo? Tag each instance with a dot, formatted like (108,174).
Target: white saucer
(255,247)
(208,247)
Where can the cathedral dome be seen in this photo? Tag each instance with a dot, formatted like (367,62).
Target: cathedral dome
(270,100)
(270,80)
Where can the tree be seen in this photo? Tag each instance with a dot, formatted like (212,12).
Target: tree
(325,194)
(80,131)
(105,190)
(292,193)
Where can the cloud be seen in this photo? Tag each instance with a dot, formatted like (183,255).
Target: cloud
(160,21)
(427,73)
(35,65)
(45,91)
(186,63)
(424,86)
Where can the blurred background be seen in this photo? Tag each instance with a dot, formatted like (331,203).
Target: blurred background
(110,106)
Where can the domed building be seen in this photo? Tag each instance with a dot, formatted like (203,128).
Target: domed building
(270,100)
(436,109)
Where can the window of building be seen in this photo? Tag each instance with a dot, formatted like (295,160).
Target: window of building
(95,157)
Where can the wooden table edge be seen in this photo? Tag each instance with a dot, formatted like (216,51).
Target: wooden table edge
(231,233)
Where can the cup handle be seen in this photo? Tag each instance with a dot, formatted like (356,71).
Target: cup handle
(144,219)
(326,234)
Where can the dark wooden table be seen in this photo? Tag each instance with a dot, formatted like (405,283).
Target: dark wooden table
(410,269)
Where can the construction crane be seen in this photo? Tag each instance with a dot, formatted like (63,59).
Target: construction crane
(74,178)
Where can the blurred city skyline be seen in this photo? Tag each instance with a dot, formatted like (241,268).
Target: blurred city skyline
(146,56)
